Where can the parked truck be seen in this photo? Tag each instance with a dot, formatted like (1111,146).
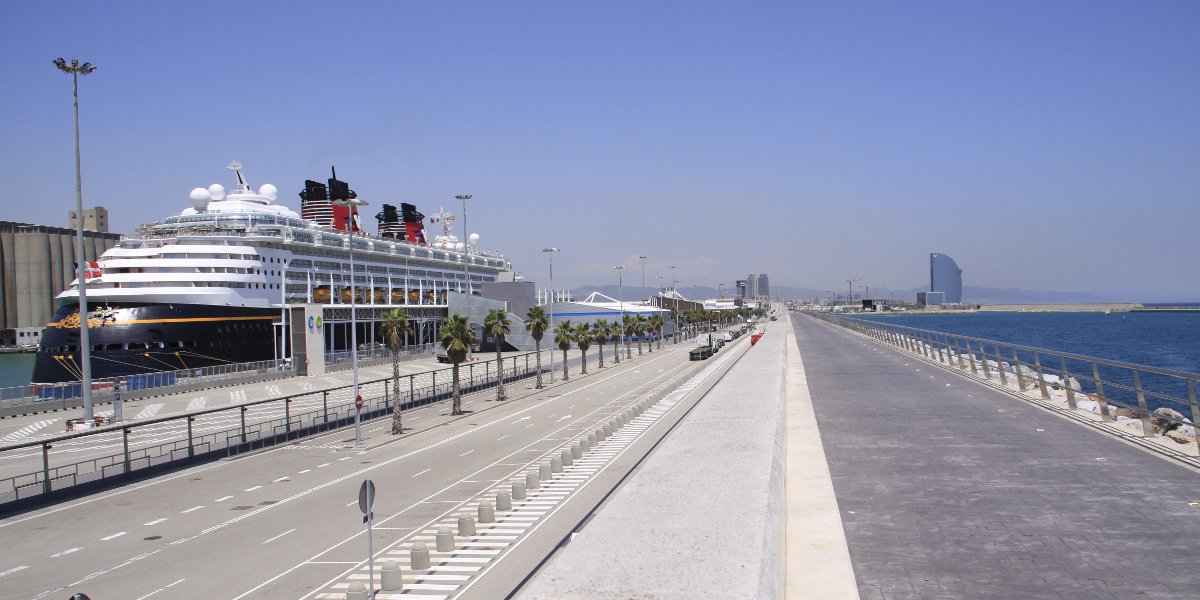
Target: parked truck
(704,347)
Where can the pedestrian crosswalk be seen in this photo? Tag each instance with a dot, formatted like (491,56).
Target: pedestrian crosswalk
(197,403)
(150,411)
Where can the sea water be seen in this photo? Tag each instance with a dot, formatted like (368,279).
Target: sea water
(1164,340)
(16,368)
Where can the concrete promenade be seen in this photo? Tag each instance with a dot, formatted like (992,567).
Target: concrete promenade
(900,480)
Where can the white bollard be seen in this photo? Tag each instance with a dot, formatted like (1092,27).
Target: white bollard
(544,471)
(419,557)
(578,449)
(357,591)
(518,490)
(556,464)
(504,500)
(568,457)
(445,540)
(466,525)
(486,514)
(532,481)
(390,579)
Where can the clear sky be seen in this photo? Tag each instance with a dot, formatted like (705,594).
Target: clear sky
(1043,145)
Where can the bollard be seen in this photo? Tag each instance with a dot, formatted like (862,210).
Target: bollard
(466,525)
(556,464)
(390,579)
(577,450)
(357,591)
(544,471)
(605,431)
(518,490)
(419,557)
(531,480)
(486,513)
(445,539)
(568,457)
(504,500)
(591,440)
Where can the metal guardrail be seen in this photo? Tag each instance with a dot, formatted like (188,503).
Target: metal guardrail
(207,433)
(1081,382)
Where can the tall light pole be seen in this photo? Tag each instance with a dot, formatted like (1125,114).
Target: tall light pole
(466,262)
(350,203)
(621,294)
(643,259)
(85,345)
(550,251)
(676,295)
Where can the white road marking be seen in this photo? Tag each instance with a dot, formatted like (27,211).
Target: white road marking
(14,570)
(237,396)
(113,536)
(154,522)
(466,453)
(252,489)
(280,479)
(192,509)
(278,536)
(273,390)
(423,472)
(346,458)
(501,437)
(149,411)
(353,503)
(197,403)
(563,418)
(66,552)
(304,471)
(324,465)
(27,430)
(222,499)
(161,589)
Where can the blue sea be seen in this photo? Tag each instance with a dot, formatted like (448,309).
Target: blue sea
(1166,340)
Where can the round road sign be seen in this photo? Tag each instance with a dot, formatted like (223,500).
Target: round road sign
(358,403)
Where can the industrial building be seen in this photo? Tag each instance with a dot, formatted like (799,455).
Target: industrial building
(37,262)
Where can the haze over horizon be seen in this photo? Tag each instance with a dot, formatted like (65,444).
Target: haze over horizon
(1043,146)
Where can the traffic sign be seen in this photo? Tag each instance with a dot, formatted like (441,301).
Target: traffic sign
(366,496)
(358,403)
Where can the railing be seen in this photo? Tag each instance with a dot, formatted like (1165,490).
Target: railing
(231,430)
(335,359)
(1117,391)
(103,388)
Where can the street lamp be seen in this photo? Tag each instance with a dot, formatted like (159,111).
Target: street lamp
(351,203)
(643,259)
(466,262)
(676,295)
(550,251)
(621,293)
(85,346)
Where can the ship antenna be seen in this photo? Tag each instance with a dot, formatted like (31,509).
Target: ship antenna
(237,168)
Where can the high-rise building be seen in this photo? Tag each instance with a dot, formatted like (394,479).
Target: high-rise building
(946,277)
(741,288)
(94,219)
(757,287)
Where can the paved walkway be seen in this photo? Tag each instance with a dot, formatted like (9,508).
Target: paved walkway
(950,489)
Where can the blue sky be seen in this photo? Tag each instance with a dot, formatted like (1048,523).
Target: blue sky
(1043,145)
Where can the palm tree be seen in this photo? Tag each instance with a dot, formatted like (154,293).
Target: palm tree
(614,331)
(564,335)
(583,339)
(628,324)
(395,327)
(537,323)
(656,324)
(498,325)
(675,314)
(456,338)
(600,334)
(639,326)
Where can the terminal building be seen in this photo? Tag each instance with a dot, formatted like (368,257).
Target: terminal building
(37,262)
(945,277)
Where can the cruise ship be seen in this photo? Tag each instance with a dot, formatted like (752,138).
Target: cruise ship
(210,286)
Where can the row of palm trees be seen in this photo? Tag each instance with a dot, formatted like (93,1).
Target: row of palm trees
(457,338)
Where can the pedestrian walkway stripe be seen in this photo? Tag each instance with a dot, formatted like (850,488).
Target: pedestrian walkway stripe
(27,430)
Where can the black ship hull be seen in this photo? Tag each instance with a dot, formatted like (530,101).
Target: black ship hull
(132,339)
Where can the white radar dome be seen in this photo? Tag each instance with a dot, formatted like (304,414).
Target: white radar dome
(200,198)
(217,191)
(474,237)
(269,191)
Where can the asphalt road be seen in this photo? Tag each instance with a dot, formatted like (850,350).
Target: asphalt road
(285,523)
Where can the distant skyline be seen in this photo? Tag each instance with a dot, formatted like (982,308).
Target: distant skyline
(1042,145)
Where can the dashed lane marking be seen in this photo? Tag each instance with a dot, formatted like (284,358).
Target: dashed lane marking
(113,536)
(154,522)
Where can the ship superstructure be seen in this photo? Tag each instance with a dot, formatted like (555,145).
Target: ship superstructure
(210,285)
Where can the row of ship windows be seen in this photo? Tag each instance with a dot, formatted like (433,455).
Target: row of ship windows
(160,345)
